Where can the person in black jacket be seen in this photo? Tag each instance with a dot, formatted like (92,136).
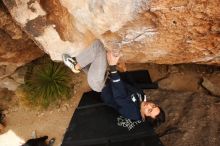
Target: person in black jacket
(128,100)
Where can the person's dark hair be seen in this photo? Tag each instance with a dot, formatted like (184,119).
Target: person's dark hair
(159,119)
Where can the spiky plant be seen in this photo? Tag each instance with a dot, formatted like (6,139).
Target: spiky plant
(47,82)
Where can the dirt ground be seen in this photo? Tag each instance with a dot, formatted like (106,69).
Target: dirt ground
(53,122)
(192,118)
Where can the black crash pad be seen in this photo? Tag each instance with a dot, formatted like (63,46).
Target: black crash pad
(140,79)
(95,124)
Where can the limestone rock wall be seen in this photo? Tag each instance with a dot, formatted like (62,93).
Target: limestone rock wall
(16,49)
(156,31)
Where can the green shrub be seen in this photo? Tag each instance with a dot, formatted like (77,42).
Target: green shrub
(46,82)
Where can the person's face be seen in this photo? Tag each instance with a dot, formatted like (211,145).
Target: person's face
(149,109)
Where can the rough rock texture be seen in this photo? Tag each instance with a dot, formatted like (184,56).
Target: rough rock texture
(16,49)
(183,77)
(212,83)
(13,81)
(191,118)
(164,32)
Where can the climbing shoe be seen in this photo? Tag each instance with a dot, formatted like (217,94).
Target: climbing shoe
(70,62)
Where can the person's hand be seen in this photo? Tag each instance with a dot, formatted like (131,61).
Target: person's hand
(113,58)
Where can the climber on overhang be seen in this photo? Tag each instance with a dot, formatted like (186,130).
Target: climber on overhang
(128,100)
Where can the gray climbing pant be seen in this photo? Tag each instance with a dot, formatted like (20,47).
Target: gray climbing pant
(94,63)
